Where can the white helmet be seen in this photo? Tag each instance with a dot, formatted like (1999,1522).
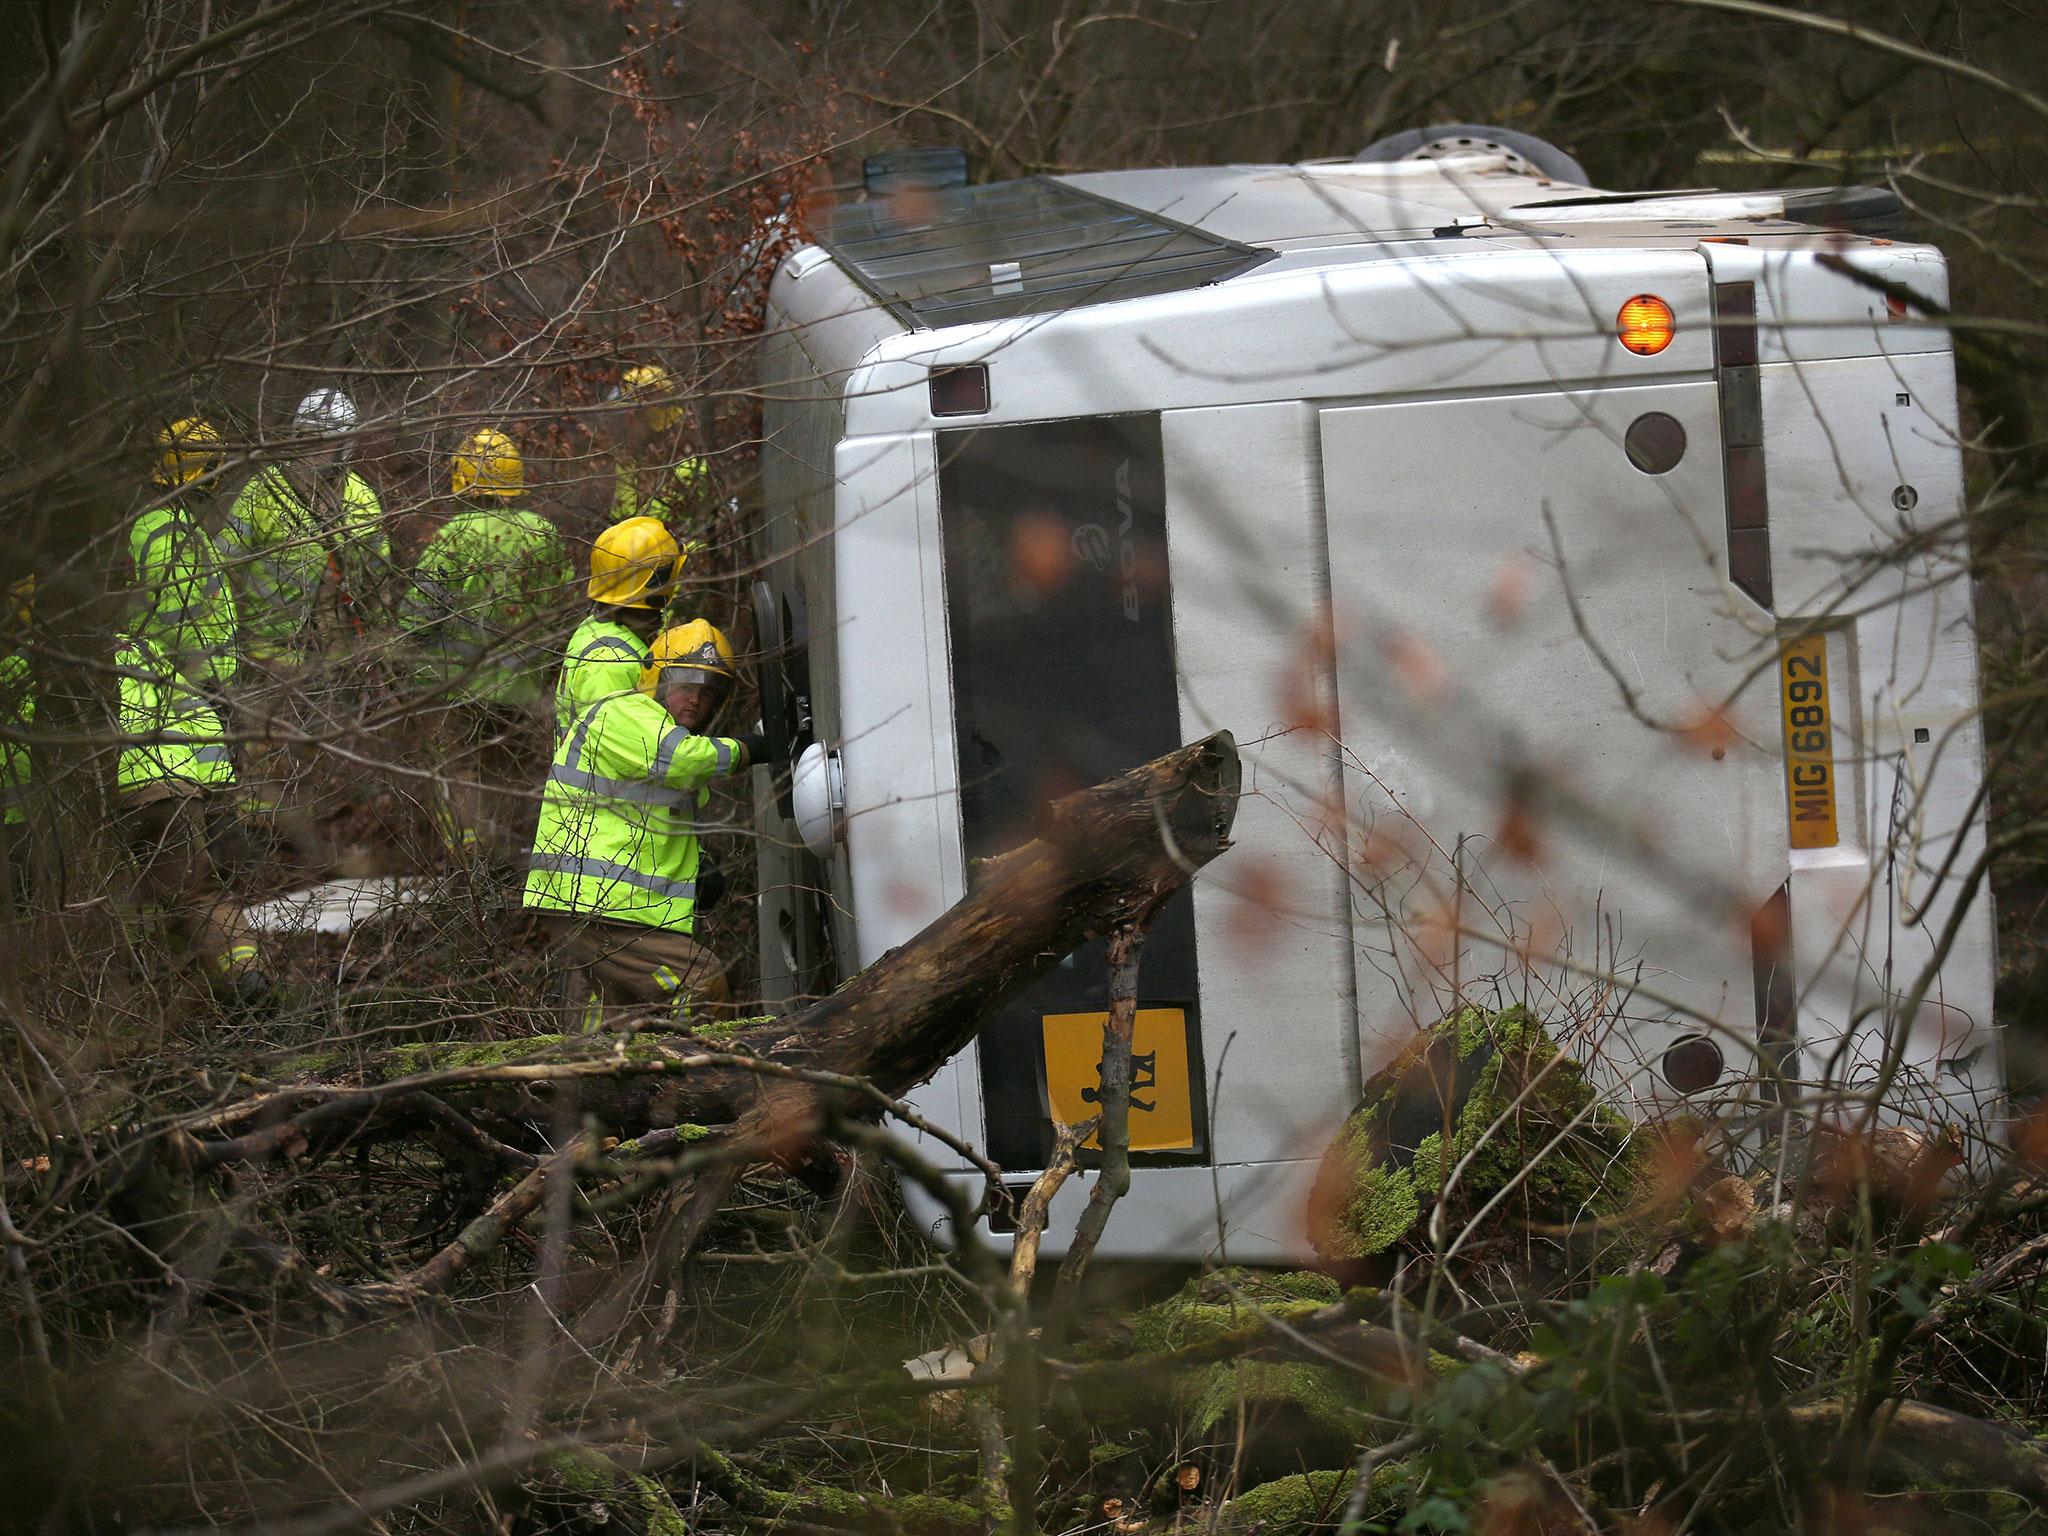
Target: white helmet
(325,412)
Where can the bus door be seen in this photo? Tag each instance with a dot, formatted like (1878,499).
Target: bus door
(1061,639)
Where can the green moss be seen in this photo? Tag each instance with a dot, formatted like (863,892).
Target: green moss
(1311,1501)
(1384,1206)
(1325,1396)
(687,1131)
(1227,1303)
(1506,1091)
(1296,1503)
(931,1514)
(456,1055)
(1292,1285)
(585,1475)
(1234,1304)
(918,1514)
(657,1509)
(726,1029)
(583,1472)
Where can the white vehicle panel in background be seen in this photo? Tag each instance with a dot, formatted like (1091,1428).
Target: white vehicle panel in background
(1459,644)
(1862,449)
(1250,589)
(1500,318)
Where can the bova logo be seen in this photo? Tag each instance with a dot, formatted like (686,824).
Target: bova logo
(1091,542)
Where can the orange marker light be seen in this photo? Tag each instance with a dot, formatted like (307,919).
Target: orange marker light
(1645,325)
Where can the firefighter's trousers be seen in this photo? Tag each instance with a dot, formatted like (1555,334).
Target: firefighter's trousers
(619,970)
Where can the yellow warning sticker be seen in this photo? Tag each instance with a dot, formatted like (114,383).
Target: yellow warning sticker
(1162,1101)
(1809,742)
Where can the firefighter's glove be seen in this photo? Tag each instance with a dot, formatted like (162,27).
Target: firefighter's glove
(710,886)
(755,746)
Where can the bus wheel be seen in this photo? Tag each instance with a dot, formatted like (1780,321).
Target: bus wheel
(1524,151)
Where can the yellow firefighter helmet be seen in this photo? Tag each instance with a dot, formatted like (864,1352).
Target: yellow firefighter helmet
(488,465)
(190,447)
(695,652)
(653,388)
(633,563)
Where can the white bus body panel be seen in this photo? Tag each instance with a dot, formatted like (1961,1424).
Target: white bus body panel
(1463,667)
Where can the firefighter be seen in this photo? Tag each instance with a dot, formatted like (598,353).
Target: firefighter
(308,557)
(634,566)
(305,529)
(648,481)
(480,614)
(182,602)
(615,869)
(172,780)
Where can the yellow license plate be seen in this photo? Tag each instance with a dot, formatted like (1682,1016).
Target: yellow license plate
(1809,742)
(1162,1096)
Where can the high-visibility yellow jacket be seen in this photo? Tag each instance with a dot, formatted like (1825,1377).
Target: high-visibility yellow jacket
(18,708)
(679,492)
(169,733)
(617,837)
(481,608)
(279,551)
(181,598)
(604,657)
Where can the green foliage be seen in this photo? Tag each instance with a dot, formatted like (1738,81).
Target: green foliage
(1504,1093)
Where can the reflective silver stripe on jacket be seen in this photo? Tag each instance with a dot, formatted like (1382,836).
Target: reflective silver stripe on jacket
(672,743)
(648,791)
(575,751)
(607,869)
(636,790)
(611,643)
(665,753)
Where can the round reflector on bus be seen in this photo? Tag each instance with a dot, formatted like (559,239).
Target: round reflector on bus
(1655,442)
(1645,324)
(1692,1064)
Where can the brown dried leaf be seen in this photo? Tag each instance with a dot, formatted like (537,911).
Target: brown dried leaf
(1727,1208)
(1507,598)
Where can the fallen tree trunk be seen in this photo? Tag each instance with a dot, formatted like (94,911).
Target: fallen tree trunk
(1105,858)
